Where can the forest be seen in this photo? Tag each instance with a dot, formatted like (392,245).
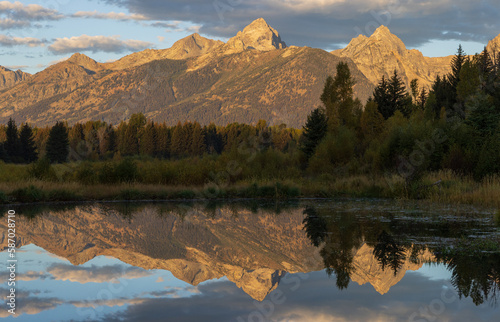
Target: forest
(439,143)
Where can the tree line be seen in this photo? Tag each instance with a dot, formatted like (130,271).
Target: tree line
(407,131)
(96,140)
(453,125)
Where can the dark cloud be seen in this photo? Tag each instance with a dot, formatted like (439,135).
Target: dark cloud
(329,23)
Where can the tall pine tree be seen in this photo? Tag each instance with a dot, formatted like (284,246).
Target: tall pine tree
(27,144)
(57,148)
(12,146)
(314,131)
(337,97)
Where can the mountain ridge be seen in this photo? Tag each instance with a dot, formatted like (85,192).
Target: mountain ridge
(383,52)
(253,76)
(9,78)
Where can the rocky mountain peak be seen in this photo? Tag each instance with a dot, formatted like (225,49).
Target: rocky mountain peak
(493,47)
(257,35)
(192,45)
(383,52)
(9,78)
(382,30)
(84,61)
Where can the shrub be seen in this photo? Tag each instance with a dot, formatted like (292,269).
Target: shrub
(86,174)
(126,170)
(3,197)
(489,159)
(107,174)
(62,195)
(130,194)
(334,152)
(42,170)
(25,195)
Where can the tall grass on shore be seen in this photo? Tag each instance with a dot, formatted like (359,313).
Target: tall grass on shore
(160,180)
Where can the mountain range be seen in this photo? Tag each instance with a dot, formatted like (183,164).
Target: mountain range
(253,76)
(253,250)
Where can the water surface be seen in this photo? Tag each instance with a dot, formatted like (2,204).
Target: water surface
(344,260)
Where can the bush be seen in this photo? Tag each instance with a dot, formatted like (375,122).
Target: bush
(107,174)
(130,194)
(30,194)
(3,197)
(126,170)
(457,160)
(86,174)
(334,152)
(42,170)
(489,159)
(62,195)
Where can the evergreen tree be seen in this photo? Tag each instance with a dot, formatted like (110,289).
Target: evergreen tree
(107,140)
(422,99)
(198,140)
(213,139)
(27,142)
(453,106)
(314,131)
(130,143)
(77,143)
(415,93)
(149,140)
(381,97)
(57,148)
(484,115)
(391,96)
(337,97)
(456,66)
(12,146)
(372,122)
(163,145)
(398,97)
(3,154)
(178,144)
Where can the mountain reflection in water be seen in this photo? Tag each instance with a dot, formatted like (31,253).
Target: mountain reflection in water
(257,246)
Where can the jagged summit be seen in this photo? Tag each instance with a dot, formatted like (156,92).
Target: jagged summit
(383,52)
(493,47)
(191,46)
(257,35)
(9,78)
(85,61)
(382,30)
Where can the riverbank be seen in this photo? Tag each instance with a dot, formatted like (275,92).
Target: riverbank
(443,186)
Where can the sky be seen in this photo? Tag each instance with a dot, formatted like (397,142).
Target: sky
(50,288)
(37,33)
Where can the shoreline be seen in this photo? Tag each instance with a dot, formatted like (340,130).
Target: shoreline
(449,191)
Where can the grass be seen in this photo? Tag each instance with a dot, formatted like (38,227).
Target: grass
(18,186)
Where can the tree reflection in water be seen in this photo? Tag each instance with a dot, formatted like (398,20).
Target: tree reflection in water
(474,262)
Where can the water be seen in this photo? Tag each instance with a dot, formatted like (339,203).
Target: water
(344,260)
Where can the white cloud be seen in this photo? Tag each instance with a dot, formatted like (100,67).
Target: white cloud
(18,15)
(110,15)
(95,274)
(16,67)
(8,41)
(95,44)
(8,23)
